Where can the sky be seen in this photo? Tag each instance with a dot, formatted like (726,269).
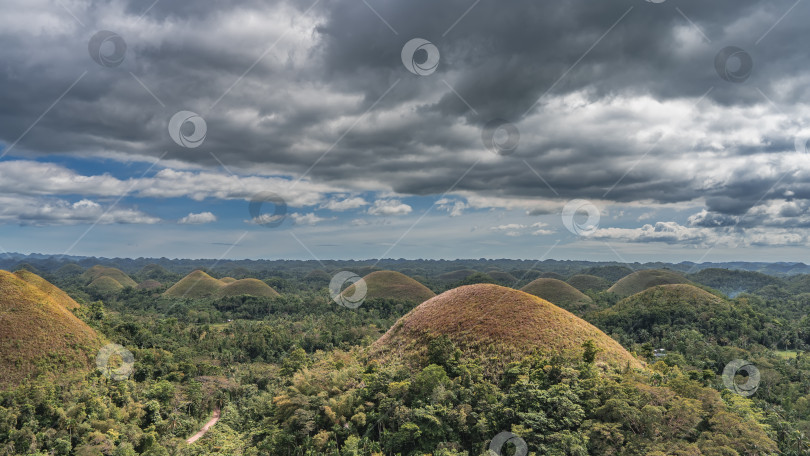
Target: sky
(633,130)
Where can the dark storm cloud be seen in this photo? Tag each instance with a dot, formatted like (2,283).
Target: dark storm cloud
(326,67)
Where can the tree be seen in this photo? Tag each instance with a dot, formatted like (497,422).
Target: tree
(591,350)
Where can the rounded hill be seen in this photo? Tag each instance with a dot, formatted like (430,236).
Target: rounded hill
(104,271)
(197,284)
(587,282)
(393,285)
(487,320)
(642,280)
(105,285)
(558,293)
(252,287)
(38,334)
(663,309)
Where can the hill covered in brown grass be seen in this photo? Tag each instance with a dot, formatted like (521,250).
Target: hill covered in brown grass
(558,293)
(199,284)
(393,285)
(486,320)
(252,287)
(647,278)
(98,271)
(38,333)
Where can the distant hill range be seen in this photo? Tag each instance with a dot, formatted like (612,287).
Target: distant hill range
(611,271)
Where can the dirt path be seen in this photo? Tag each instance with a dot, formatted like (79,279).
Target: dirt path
(205,428)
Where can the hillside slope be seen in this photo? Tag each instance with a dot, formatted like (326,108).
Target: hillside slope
(38,334)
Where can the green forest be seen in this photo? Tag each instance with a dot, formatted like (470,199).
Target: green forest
(296,373)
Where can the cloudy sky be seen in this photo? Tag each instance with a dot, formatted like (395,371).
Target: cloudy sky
(624,130)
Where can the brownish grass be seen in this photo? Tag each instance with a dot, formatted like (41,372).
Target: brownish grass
(197,284)
(227,280)
(558,293)
(38,334)
(393,285)
(103,271)
(641,280)
(489,321)
(252,287)
(55,293)
(105,284)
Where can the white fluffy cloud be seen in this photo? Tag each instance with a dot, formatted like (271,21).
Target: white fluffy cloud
(48,211)
(308,219)
(389,207)
(198,219)
(344,204)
